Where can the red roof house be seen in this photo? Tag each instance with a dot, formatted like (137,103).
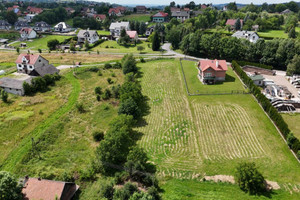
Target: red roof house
(114,12)
(36,188)
(34,10)
(231,22)
(99,17)
(203,6)
(133,35)
(160,17)
(211,71)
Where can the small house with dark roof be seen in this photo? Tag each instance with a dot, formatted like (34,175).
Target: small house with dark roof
(160,17)
(181,15)
(87,35)
(42,27)
(27,33)
(34,65)
(4,25)
(62,27)
(231,23)
(248,35)
(14,85)
(141,9)
(37,188)
(99,17)
(21,24)
(212,71)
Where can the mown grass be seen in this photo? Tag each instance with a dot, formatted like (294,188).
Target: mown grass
(103,32)
(113,47)
(194,190)
(293,122)
(187,137)
(137,17)
(41,43)
(196,86)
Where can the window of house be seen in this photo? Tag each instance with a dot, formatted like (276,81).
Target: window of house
(20,66)
(208,75)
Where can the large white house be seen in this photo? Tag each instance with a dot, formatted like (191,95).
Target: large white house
(116,28)
(248,35)
(27,33)
(87,35)
(62,27)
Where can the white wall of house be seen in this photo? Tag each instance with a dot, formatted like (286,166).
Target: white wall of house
(31,35)
(14,91)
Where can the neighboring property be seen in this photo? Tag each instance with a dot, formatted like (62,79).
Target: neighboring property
(34,65)
(211,71)
(248,35)
(231,23)
(255,28)
(149,30)
(21,24)
(141,9)
(175,9)
(87,35)
(62,27)
(42,27)
(118,11)
(14,85)
(29,17)
(99,17)
(37,188)
(27,33)
(4,25)
(34,10)
(133,35)
(70,10)
(15,9)
(286,11)
(160,17)
(257,79)
(181,15)
(116,27)
(224,8)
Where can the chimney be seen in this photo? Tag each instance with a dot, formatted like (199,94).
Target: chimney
(39,178)
(217,63)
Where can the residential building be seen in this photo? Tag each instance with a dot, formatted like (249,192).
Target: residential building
(149,30)
(286,11)
(257,79)
(4,25)
(21,24)
(87,35)
(27,33)
(211,71)
(203,6)
(29,17)
(42,27)
(15,9)
(114,12)
(116,28)
(133,35)
(99,17)
(181,15)
(231,23)
(160,17)
(248,35)
(14,85)
(62,27)
(37,188)
(70,10)
(175,9)
(255,28)
(34,65)
(141,9)
(34,10)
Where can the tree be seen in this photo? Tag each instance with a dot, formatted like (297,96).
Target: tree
(9,187)
(156,42)
(232,6)
(11,17)
(28,90)
(129,64)
(140,49)
(18,50)
(174,37)
(51,44)
(294,66)
(4,96)
(237,24)
(130,107)
(249,179)
(292,33)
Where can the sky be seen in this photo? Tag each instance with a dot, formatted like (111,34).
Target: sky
(166,2)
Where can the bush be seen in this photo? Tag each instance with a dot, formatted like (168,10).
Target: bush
(100,73)
(116,91)
(9,187)
(113,75)
(107,66)
(106,95)
(121,177)
(93,69)
(98,97)
(98,90)
(129,64)
(117,65)
(109,81)
(249,179)
(4,96)
(152,191)
(107,190)
(40,50)
(98,136)
(52,44)
(80,108)
(142,60)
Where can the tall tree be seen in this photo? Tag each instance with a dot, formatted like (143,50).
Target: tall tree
(9,187)
(11,17)
(237,25)
(156,42)
(294,66)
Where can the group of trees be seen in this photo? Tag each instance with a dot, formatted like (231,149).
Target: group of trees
(139,27)
(52,16)
(40,84)
(10,189)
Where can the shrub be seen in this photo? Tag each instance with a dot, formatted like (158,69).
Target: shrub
(249,179)
(40,50)
(93,69)
(142,60)
(80,108)
(129,64)
(290,139)
(116,91)
(18,50)
(117,65)
(106,46)
(109,81)
(52,44)
(98,90)
(121,177)
(152,191)
(107,66)
(100,73)
(113,75)
(106,95)
(9,187)
(98,136)
(4,96)
(107,190)
(243,63)
(98,97)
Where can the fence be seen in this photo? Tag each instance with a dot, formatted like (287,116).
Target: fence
(202,93)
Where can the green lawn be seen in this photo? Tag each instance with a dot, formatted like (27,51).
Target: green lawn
(273,34)
(189,137)
(193,190)
(41,43)
(196,86)
(114,47)
(293,121)
(103,32)
(136,17)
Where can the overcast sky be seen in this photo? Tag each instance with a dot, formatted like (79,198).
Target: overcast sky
(165,2)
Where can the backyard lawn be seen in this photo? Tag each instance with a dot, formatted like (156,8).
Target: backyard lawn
(41,43)
(103,32)
(293,121)
(136,17)
(196,86)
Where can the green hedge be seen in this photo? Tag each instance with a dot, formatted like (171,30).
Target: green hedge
(243,63)
(266,104)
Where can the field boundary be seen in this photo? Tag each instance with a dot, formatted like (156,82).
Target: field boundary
(232,92)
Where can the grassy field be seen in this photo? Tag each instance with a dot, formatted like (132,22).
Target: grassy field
(66,144)
(273,34)
(195,86)
(114,47)
(188,137)
(103,32)
(136,17)
(293,121)
(41,43)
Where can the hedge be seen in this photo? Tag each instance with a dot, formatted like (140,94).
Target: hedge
(243,63)
(266,105)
